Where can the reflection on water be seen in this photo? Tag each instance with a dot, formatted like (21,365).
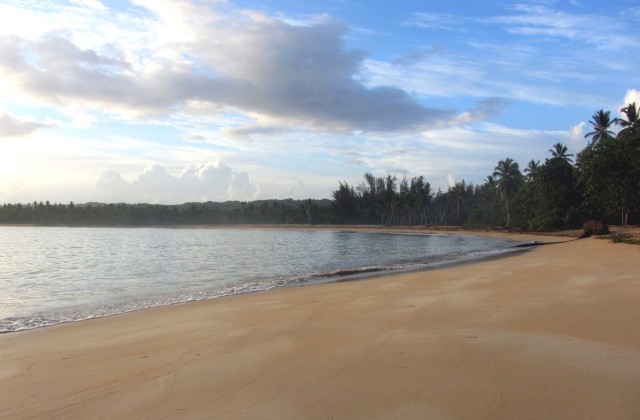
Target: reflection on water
(50,275)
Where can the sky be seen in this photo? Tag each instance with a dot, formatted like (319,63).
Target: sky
(172,101)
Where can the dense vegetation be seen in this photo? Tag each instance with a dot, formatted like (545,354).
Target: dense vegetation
(603,183)
(231,212)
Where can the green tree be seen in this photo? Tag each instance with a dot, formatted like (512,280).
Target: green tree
(310,210)
(456,194)
(601,122)
(559,150)
(609,173)
(531,169)
(557,197)
(344,203)
(485,205)
(421,193)
(460,195)
(508,180)
(630,125)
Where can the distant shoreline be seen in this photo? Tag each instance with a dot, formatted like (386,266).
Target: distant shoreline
(354,228)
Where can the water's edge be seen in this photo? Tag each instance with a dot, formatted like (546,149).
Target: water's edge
(22,324)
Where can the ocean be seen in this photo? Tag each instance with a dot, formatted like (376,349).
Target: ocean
(51,275)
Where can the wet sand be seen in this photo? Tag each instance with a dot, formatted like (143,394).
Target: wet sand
(549,333)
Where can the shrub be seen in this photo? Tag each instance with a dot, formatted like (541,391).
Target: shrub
(594,227)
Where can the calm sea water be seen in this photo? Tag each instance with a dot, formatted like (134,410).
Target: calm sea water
(54,275)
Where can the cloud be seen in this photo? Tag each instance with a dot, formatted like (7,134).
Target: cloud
(113,187)
(11,126)
(251,130)
(355,158)
(417,56)
(195,137)
(206,182)
(543,21)
(576,137)
(483,110)
(398,171)
(92,4)
(632,96)
(552,52)
(440,21)
(284,74)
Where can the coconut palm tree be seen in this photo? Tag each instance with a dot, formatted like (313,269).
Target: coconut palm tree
(531,169)
(601,121)
(630,125)
(457,194)
(490,183)
(508,178)
(559,150)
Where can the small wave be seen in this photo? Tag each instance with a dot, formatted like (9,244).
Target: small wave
(20,323)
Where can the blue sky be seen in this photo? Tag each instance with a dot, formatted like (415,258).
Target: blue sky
(170,101)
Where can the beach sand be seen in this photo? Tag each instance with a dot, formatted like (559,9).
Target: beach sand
(549,333)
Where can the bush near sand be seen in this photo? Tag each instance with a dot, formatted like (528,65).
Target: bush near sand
(594,227)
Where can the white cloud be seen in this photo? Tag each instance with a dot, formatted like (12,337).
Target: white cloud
(286,75)
(632,96)
(595,29)
(439,21)
(213,181)
(12,126)
(80,118)
(92,4)
(482,111)
(170,82)
(24,21)
(556,61)
(576,139)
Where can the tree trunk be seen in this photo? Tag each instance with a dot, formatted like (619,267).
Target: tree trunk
(508,215)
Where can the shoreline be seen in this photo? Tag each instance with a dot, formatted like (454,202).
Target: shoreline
(545,333)
(520,244)
(355,228)
(339,278)
(430,230)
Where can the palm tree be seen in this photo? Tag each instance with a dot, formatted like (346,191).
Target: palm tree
(532,169)
(560,151)
(457,194)
(490,183)
(508,179)
(601,121)
(631,125)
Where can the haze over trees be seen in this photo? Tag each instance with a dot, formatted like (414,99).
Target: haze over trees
(208,213)
(603,183)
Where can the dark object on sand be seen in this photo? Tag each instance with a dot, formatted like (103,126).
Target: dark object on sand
(594,227)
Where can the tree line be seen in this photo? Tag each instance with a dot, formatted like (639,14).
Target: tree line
(209,213)
(603,184)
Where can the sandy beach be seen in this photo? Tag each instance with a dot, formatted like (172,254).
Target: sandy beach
(548,333)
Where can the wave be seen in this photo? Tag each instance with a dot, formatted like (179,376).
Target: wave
(44,319)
